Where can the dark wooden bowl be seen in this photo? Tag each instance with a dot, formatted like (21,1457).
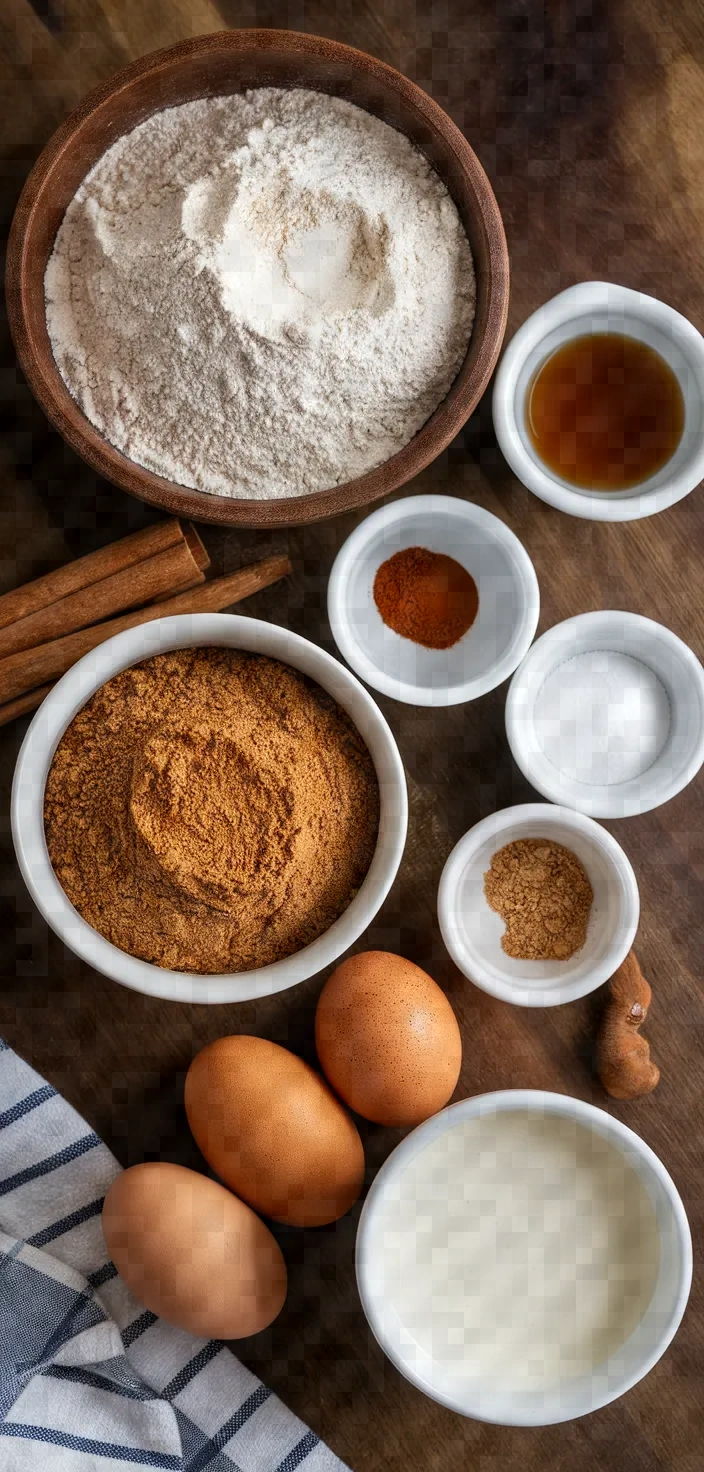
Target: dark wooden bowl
(213,65)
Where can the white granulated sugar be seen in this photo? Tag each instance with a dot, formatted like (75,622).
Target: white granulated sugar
(602,717)
(261,295)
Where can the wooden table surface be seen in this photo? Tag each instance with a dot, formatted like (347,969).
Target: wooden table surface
(588,121)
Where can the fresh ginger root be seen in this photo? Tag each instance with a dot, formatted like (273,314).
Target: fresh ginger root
(623,1059)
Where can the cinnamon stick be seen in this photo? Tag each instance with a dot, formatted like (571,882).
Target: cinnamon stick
(16,708)
(166,572)
(30,668)
(202,561)
(83,572)
(190,535)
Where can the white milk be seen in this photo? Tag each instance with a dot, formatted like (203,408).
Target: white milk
(520,1248)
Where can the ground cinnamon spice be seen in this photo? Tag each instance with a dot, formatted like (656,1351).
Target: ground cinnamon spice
(542,892)
(426,596)
(211,811)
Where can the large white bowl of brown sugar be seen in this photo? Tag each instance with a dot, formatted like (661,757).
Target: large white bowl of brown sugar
(209,808)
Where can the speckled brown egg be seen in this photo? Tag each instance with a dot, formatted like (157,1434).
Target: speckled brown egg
(192,1253)
(274,1132)
(387,1039)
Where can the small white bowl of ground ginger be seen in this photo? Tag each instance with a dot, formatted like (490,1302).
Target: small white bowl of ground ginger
(433,601)
(538,905)
(207,789)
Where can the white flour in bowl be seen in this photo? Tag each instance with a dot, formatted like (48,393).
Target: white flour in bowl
(260,295)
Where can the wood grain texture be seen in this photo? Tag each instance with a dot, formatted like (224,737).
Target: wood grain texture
(586,121)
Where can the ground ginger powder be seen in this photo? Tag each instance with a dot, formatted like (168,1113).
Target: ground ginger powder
(211,811)
(542,892)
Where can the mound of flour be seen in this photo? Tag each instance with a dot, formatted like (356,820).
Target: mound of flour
(260,295)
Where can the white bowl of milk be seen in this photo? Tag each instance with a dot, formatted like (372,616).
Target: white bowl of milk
(523,1258)
(606,714)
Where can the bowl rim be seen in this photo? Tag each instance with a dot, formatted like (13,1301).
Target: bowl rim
(47,385)
(72,692)
(498,825)
(451,507)
(568,1106)
(538,663)
(570,306)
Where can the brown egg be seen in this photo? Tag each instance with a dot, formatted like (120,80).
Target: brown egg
(387,1038)
(192,1253)
(271,1128)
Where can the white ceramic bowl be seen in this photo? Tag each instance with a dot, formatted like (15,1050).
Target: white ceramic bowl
(486,1400)
(600,306)
(71,693)
(660,651)
(509,601)
(472,931)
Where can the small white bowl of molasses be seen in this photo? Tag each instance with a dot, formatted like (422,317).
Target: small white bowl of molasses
(599,403)
(433,601)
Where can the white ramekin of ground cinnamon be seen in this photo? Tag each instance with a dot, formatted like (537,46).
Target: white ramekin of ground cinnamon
(209,808)
(433,601)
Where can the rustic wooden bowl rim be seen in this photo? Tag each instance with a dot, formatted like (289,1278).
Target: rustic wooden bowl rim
(34,348)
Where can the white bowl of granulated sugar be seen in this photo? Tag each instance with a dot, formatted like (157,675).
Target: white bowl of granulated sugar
(606,714)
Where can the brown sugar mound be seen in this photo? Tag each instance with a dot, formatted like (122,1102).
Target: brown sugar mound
(211,811)
(542,892)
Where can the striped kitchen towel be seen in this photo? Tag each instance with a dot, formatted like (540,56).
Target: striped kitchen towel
(89,1381)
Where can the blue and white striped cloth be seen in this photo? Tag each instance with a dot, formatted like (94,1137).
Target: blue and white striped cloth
(89,1381)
